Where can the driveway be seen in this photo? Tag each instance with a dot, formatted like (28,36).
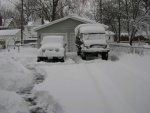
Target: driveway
(101,86)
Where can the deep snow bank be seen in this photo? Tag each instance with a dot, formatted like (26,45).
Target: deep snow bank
(13,76)
(10,102)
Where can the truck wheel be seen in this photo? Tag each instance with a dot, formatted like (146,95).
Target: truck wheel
(38,59)
(78,52)
(105,56)
(83,56)
(62,60)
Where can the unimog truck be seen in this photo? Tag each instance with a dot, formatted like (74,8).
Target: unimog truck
(91,39)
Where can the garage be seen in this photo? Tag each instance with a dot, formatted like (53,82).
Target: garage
(9,37)
(64,27)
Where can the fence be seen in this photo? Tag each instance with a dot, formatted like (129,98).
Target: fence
(129,49)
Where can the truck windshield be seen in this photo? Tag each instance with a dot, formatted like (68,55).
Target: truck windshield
(93,36)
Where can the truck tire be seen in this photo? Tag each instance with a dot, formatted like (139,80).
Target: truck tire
(83,56)
(62,59)
(78,52)
(105,56)
(38,59)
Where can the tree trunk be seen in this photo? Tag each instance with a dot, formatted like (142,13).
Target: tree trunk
(119,23)
(55,4)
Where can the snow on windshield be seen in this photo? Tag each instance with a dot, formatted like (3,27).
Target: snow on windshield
(52,39)
(90,28)
(93,36)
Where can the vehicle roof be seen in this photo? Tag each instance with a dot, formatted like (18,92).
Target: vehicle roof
(90,28)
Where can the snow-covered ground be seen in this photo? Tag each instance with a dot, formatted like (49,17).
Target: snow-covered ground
(102,86)
(119,85)
(18,76)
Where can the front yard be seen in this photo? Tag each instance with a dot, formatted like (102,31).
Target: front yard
(77,86)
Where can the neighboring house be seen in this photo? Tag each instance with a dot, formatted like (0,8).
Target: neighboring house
(30,34)
(64,27)
(7,23)
(9,37)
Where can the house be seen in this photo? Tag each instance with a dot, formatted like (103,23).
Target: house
(7,23)
(9,37)
(64,27)
(30,34)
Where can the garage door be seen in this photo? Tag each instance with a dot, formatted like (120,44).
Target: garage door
(71,43)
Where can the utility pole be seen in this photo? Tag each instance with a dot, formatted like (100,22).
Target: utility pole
(101,11)
(22,19)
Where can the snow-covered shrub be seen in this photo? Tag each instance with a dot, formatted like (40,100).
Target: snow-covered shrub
(10,102)
(14,76)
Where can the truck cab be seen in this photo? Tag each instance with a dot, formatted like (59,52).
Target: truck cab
(91,39)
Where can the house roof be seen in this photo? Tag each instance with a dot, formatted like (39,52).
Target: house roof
(11,32)
(75,17)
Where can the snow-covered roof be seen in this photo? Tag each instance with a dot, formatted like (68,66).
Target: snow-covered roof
(75,17)
(90,28)
(10,32)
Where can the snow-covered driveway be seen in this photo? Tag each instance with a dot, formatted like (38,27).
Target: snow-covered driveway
(101,87)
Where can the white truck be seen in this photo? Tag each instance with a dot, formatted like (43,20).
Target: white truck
(91,39)
(52,47)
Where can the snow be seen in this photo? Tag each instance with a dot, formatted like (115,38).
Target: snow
(147,46)
(101,86)
(11,32)
(110,33)
(89,28)
(51,46)
(52,39)
(13,76)
(10,102)
(37,22)
(74,17)
(47,102)
(97,41)
(94,86)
